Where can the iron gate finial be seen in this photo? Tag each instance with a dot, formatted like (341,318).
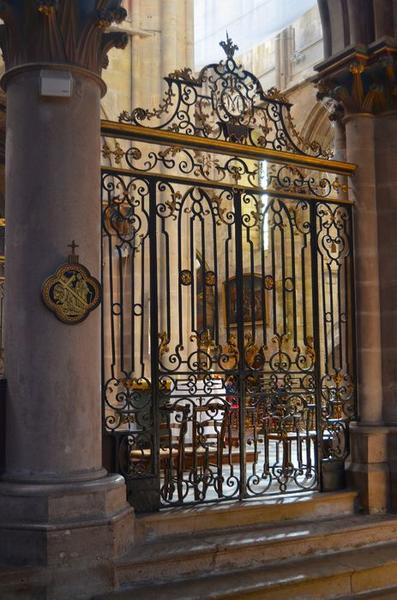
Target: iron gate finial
(229,46)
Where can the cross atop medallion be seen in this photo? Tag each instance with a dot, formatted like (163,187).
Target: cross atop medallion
(73,257)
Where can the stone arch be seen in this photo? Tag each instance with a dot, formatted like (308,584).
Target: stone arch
(317,127)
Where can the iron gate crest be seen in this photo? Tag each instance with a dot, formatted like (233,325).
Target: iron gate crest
(228,362)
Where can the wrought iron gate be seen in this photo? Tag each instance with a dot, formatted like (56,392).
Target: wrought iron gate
(228,299)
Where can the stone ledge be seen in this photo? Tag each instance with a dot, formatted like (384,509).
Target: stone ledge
(61,502)
(238,514)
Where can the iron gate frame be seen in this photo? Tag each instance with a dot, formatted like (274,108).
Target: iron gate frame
(144,490)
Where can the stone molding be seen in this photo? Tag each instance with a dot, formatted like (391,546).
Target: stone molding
(350,22)
(362,82)
(60,31)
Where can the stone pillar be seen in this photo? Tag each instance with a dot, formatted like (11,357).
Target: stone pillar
(386,189)
(359,72)
(169,39)
(189,35)
(368,469)
(136,74)
(58,506)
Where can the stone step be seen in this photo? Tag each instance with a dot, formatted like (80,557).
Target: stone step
(343,575)
(296,507)
(248,547)
(389,593)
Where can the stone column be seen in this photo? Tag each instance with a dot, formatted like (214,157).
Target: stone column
(169,39)
(351,85)
(58,506)
(386,189)
(359,71)
(136,74)
(368,469)
(189,35)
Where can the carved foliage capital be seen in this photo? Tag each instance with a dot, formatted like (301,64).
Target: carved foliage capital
(362,87)
(60,31)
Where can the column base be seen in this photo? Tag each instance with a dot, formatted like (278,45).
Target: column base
(66,535)
(368,471)
(392,453)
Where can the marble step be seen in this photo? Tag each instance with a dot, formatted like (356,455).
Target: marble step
(296,507)
(344,575)
(248,547)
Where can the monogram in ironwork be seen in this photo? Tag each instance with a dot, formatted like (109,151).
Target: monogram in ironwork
(226,102)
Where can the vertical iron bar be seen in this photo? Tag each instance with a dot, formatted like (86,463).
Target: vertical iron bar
(104,441)
(351,317)
(143,365)
(154,350)
(102,310)
(238,224)
(263,275)
(110,456)
(193,271)
(316,340)
(215,312)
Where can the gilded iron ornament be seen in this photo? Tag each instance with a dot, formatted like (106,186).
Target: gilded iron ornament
(71,293)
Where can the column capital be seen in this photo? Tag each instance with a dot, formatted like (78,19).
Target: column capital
(361,80)
(70,32)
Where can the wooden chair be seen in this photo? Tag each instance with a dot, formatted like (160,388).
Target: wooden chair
(172,448)
(209,426)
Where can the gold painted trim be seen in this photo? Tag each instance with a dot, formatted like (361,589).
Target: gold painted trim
(337,65)
(383,50)
(135,132)
(203,183)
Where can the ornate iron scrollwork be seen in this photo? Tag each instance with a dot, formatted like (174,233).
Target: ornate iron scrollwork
(226,102)
(228,328)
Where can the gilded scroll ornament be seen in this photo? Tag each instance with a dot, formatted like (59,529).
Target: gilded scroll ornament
(71,293)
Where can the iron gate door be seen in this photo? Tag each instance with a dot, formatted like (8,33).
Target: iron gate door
(228,298)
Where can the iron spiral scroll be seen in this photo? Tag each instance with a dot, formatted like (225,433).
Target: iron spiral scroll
(226,102)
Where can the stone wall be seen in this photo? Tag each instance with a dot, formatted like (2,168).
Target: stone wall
(286,62)
(160,39)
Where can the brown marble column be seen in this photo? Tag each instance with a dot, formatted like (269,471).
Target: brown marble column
(359,72)
(386,191)
(369,468)
(58,507)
